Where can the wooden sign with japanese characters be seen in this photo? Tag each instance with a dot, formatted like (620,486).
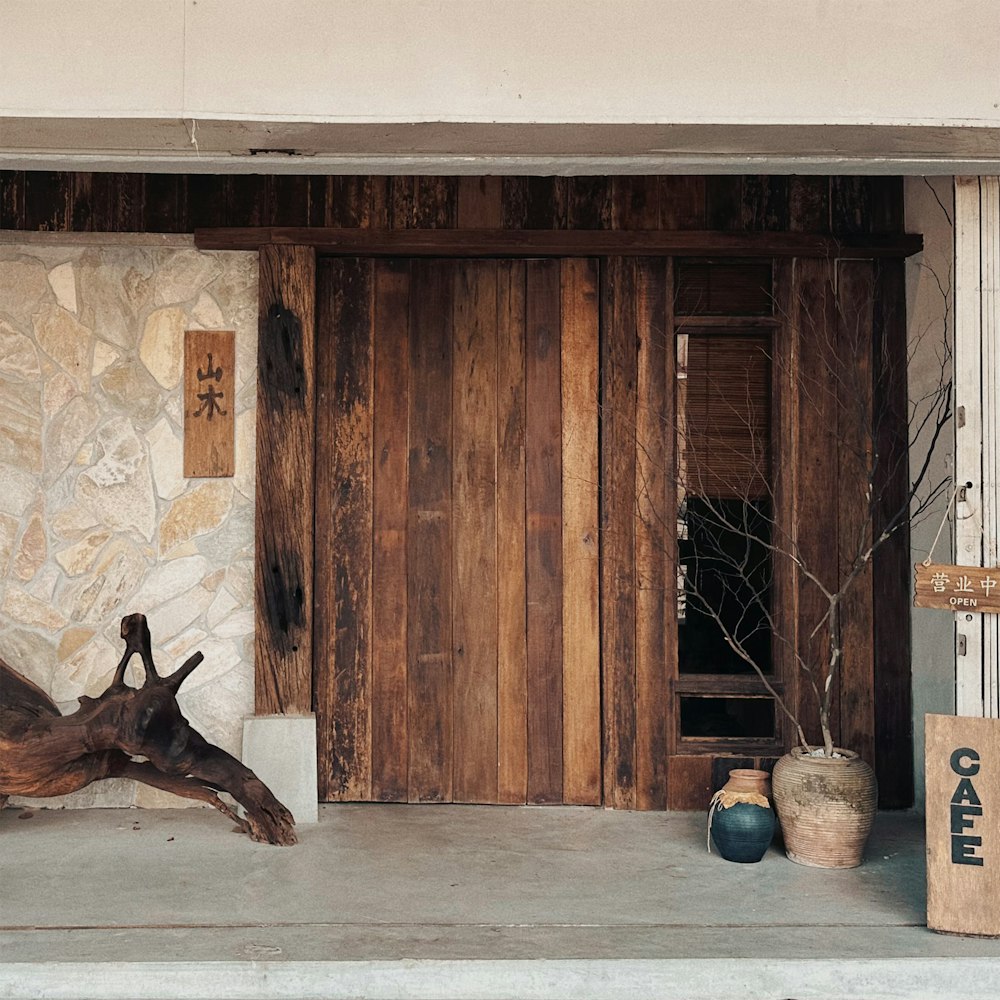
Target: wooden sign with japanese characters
(209,402)
(957,588)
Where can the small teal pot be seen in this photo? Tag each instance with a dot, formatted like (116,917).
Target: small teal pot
(740,819)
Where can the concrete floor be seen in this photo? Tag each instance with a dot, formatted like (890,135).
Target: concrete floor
(460,903)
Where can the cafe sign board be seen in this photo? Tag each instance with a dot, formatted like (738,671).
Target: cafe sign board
(962,806)
(957,588)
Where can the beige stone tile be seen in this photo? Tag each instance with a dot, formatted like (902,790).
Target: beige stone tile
(18,354)
(104,356)
(61,335)
(23,287)
(28,610)
(162,345)
(62,280)
(21,425)
(170,579)
(166,452)
(8,535)
(32,549)
(79,557)
(197,512)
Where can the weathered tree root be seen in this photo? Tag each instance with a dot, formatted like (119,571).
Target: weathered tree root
(43,753)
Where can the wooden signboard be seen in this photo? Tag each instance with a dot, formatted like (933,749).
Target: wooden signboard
(957,588)
(209,402)
(962,760)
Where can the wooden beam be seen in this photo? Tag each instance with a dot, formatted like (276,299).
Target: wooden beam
(284,522)
(558,243)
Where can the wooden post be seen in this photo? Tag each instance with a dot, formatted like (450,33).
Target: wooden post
(285,440)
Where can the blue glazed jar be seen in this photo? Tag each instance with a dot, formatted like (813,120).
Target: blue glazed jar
(740,818)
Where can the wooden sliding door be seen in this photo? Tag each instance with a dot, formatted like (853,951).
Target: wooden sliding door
(457,623)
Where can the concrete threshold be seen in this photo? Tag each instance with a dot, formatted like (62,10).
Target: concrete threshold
(460,903)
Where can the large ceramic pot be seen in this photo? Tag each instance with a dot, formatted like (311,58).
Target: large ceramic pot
(740,818)
(826,807)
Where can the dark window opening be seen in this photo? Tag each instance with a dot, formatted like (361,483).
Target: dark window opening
(726,567)
(727,718)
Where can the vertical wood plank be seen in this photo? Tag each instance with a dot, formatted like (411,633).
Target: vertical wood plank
(402,202)
(543,489)
(545,206)
(784,421)
(512,628)
(580,339)
(682,202)
(588,202)
(429,583)
(474,530)
(390,744)
(814,326)
(635,202)
(855,295)
(336,201)
(886,207)
(126,203)
(764,203)
(479,203)
(809,204)
(12,199)
(690,783)
(286,200)
(207,200)
(48,196)
(164,204)
(514,202)
(436,202)
(724,202)
(850,204)
(82,208)
(890,574)
(283,591)
(342,628)
(655,572)
(246,202)
(618,471)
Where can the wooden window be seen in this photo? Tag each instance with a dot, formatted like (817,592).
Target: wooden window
(726,508)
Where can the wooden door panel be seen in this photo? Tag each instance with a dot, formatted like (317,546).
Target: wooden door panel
(512,628)
(430,721)
(543,546)
(343,552)
(457,470)
(581,708)
(474,530)
(390,676)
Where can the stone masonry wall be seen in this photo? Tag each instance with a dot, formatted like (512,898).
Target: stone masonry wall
(96,518)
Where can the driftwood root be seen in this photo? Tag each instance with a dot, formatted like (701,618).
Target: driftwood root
(44,753)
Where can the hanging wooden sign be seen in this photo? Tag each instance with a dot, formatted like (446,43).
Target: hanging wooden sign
(962,758)
(209,402)
(957,588)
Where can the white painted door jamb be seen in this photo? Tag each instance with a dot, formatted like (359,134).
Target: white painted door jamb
(977,433)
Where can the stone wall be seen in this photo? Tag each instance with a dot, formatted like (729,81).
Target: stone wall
(96,517)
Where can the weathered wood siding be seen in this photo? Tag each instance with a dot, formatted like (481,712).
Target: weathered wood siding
(180,203)
(396,534)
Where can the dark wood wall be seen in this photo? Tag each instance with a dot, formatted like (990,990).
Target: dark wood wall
(837,206)
(180,203)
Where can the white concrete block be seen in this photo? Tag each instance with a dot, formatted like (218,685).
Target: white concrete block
(281,751)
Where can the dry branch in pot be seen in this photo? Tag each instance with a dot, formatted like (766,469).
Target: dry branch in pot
(43,753)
